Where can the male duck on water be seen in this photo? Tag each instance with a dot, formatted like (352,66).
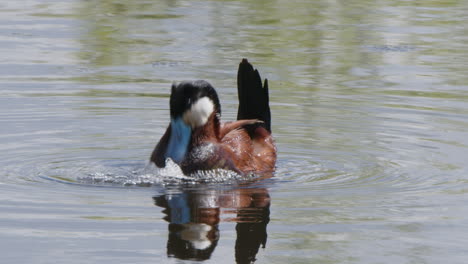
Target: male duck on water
(197,140)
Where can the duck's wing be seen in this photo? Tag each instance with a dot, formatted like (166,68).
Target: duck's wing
(230,126)
(158,153)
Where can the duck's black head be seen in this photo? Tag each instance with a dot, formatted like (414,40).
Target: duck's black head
(194,102)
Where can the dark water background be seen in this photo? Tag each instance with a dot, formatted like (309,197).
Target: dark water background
(370,114)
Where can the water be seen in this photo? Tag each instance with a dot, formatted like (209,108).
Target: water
(370,117)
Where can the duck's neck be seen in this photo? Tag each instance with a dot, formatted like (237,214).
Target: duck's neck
(207,133)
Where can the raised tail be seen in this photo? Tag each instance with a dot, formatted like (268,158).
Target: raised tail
(253,98)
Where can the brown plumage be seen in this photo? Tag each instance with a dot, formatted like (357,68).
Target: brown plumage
(197,140)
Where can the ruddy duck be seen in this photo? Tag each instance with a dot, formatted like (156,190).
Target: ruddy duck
(197,140)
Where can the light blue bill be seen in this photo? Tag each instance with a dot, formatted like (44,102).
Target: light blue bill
(178,140)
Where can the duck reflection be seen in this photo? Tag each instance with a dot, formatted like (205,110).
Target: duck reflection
(194,216)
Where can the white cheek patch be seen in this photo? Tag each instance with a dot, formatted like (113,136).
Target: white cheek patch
(199,112)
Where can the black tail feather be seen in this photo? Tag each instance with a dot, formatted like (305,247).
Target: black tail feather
(253,98)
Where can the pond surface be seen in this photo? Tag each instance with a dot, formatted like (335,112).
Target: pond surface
(370,114)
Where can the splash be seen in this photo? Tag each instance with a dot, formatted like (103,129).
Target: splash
(151,175)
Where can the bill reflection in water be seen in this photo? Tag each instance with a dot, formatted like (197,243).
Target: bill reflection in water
(194,217)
